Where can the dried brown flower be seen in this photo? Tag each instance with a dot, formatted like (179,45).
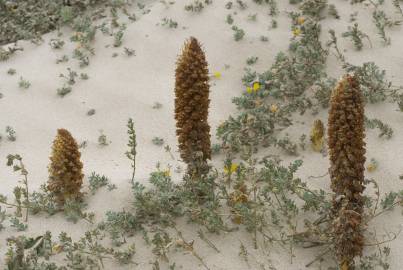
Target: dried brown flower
(192,103)
(347,158)
(65,169)
(240,195)
(317,135)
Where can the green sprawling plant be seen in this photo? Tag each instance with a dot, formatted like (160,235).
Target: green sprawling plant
(88,252)
(30,19)
(131,154)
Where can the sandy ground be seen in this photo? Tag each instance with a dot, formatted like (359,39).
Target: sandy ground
(123,87)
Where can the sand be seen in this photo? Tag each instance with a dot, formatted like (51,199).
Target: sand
(123,87)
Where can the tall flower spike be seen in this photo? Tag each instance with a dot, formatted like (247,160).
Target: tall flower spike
(65,169)
(347,158)
(192,103)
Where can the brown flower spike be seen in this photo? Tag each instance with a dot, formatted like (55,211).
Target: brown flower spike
(347,158)
(65,169)
(192,103)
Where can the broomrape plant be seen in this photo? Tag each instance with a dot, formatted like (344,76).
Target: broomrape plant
(258,194)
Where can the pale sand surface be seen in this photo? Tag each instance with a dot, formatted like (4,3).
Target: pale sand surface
(123,87)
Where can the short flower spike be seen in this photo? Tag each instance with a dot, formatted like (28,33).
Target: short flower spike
(65,169)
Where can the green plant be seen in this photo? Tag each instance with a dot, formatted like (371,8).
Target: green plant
(5,54)
(131,154)
(30,253)
(238,33)
(241,4)
(229,19)
(70,77)
(84,76)
(64,90)
(102,139)
(24,252)
(24,83)
(56,43)
(169,23)
(11,134)
(158,141)
(251,60)
(382,21)
(16,223)
(313,8)
(197,5)
(118,36)
(396,4)
(129,52)
(62,59)
(385,129)
(18,166)
(332,11)
(356,36)
(11,71)
(97,181)
(252,17)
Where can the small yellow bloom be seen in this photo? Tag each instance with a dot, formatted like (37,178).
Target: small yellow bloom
(371,167)
(232,169)
(167,173)
(56,249)
(256,86)
(249,89)
(300,20)
(273,108)
(217,75)
(296,32)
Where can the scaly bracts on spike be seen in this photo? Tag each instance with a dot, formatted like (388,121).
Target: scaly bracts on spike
(347,158)
(65,169)
(191,105)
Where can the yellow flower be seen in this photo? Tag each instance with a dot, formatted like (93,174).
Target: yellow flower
(273,108)
(296,32)
(217,75)
(249,89)
(256,86)
(232,169)
(57,249)
(373,165)
(300,20)
(167,173)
